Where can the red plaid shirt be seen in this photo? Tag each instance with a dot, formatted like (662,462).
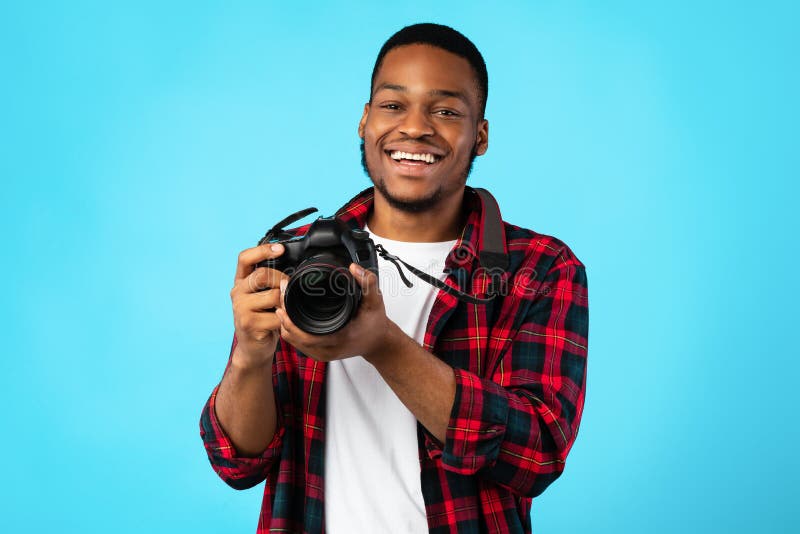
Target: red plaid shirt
(520,368)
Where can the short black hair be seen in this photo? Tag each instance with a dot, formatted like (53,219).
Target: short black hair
(443,37)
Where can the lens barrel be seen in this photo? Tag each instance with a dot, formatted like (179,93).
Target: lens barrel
(322,295)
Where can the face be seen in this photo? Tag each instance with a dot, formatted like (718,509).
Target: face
(422,128)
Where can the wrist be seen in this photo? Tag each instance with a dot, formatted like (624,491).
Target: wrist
(389,344)
(243,360)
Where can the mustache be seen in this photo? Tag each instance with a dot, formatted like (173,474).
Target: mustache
(415,142)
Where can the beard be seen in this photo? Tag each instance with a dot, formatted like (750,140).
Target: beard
(418,205)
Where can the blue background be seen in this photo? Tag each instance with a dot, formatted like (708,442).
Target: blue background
(143,146)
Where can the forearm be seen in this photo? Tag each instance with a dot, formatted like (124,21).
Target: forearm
(423,383)
(478,422)
(245,406)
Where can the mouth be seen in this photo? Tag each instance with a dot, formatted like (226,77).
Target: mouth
(423,158)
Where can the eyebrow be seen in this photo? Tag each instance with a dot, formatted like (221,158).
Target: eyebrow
(433,92)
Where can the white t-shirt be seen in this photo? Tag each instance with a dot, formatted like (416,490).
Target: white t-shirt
(372,471)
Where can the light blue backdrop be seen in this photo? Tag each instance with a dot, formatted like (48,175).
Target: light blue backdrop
(144,145)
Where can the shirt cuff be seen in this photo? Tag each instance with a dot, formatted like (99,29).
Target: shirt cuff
(476,428)
(233,468)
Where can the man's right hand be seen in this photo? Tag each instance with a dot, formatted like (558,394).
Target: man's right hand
(255,295)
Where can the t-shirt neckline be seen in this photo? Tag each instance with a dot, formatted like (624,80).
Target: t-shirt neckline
(432,244)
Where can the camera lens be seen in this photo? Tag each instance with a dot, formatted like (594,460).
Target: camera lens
(322,295)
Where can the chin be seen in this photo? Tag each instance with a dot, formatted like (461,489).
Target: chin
(412,200)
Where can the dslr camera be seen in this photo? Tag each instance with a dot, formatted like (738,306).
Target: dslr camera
(321,296)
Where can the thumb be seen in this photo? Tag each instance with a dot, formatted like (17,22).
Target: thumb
(368,281)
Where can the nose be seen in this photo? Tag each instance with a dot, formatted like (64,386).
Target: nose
(416,123)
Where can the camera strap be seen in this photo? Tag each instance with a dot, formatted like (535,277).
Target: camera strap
(435,282)
(493,256)
(277,230)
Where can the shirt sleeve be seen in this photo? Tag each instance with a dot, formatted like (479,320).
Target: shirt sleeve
(239,472)
(517,428)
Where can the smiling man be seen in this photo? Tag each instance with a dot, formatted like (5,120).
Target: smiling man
(422,129)
(428,411)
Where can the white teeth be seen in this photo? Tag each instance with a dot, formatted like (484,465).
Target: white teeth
(427,158)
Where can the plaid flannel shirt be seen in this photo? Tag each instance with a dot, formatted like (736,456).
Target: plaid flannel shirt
(520,369)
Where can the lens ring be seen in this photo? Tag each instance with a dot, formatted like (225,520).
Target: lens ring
(321,297)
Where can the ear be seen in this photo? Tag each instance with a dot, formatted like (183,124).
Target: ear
(482,138)
(363,121)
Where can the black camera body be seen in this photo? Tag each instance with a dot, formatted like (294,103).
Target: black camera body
(322,296)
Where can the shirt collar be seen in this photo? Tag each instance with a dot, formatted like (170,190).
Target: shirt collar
(465,252)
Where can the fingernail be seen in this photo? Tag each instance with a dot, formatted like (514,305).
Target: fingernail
(276,247)
(283,285)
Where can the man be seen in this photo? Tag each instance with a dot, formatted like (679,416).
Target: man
(424,413)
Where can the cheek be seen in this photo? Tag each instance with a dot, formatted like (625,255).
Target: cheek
(378,127)
(373,137)
(370,139)
(468,145)
(371,151)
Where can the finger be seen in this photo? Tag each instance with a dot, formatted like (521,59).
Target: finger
(259,280)
(286,324)
(255,323)
(291,330)
(370,288)
(283,283)
(249,257)
(302,339)
(259,301)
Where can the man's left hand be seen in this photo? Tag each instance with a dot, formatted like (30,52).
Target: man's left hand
(363,335)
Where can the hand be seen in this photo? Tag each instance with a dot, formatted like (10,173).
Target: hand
(255,295)
(363,335)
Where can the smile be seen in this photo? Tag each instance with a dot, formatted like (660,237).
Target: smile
(413,156)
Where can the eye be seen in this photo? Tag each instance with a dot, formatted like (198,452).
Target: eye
(446,113)
(390,106)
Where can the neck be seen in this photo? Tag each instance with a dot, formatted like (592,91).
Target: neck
(444,222)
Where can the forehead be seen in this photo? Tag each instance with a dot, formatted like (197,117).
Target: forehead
(423,68)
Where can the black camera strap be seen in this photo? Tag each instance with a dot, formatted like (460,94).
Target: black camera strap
(435,282)
(277,230)
(493,238)
(493,255)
